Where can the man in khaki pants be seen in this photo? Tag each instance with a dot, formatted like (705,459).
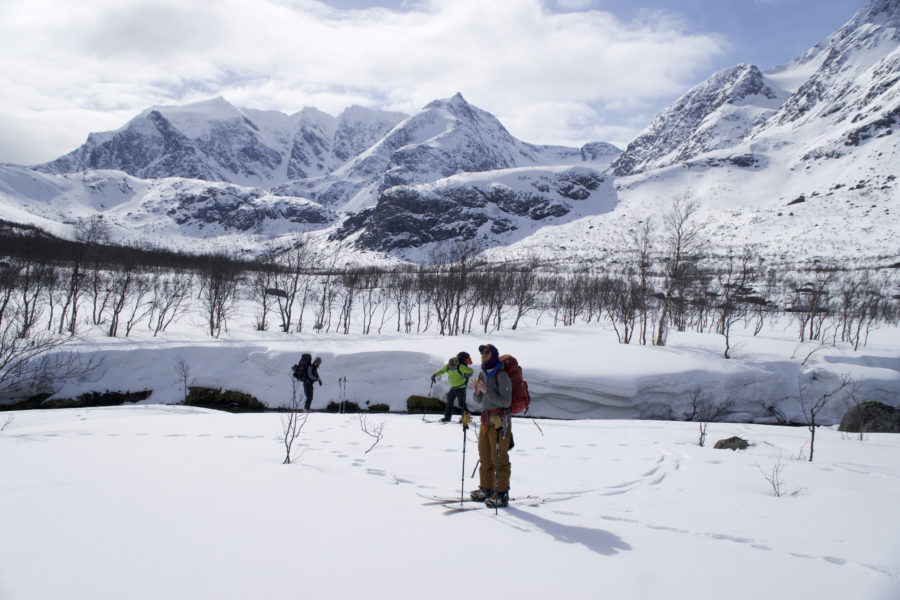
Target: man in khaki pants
(493,390)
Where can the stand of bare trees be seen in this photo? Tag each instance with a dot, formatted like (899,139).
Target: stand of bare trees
(666,280)
(639,300)
(31,360)
(219,282)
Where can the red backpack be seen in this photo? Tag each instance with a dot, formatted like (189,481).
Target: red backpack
(520,396)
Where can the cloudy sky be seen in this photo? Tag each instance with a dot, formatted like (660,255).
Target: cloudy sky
(553,71)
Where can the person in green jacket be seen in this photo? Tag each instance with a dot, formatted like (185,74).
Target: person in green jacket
(458,373)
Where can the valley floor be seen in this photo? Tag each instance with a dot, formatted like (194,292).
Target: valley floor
(155,501)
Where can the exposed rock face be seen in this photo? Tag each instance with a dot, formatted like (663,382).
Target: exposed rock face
(239,209)
(465,208)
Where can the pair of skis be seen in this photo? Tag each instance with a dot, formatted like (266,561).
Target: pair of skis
(455,505)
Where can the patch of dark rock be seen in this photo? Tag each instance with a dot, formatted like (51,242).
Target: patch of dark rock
(227,400)
(871,417)
(732,443)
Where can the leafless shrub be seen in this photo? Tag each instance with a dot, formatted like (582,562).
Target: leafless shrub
(33,361)
(774,477)
(292,422)
(376,431)
(170,300)
(184,375)
(811,302)
(705,410)
(735,293)
(812,405)
(808,355)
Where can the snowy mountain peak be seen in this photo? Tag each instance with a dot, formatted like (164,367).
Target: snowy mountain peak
(715,114)
(216,141)
(852,92)
(454,104)
(884,13)
(186,117)
(850,77)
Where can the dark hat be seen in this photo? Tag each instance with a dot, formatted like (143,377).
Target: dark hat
(494,355)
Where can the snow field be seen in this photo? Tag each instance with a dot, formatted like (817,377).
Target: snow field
(158,501)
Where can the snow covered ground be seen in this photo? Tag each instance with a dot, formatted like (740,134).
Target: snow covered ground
(162,501)
(572,372)
(156,501)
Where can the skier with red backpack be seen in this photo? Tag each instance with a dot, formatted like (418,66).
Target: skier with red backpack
(493,389)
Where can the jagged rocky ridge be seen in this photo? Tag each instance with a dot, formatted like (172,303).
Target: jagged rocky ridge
(216,141)
(853,92)
(716,114)
(363,163)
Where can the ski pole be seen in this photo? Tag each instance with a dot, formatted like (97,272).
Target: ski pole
(462,484)
(425,408)
(496,460)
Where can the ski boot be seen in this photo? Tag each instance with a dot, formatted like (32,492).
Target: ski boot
(481,494)
(498,500)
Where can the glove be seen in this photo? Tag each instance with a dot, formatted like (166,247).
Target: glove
(496,421)
(465,419)
(433,379)
(320,383)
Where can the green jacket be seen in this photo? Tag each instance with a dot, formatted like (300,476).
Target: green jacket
(459,376)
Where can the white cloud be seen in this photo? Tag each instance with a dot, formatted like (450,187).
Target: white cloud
(545,75)
(575,4)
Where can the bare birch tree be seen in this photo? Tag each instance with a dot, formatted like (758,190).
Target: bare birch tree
(681,246)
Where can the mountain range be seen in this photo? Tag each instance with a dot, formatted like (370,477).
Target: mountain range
(800,161)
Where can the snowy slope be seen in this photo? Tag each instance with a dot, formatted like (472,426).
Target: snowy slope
(173,211)
(173,502)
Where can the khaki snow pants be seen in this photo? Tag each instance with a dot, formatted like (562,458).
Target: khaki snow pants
(489,455)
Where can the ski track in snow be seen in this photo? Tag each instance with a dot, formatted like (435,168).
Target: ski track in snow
(668,462)
(612,488)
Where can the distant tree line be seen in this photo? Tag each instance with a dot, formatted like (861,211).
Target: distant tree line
(667,279)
